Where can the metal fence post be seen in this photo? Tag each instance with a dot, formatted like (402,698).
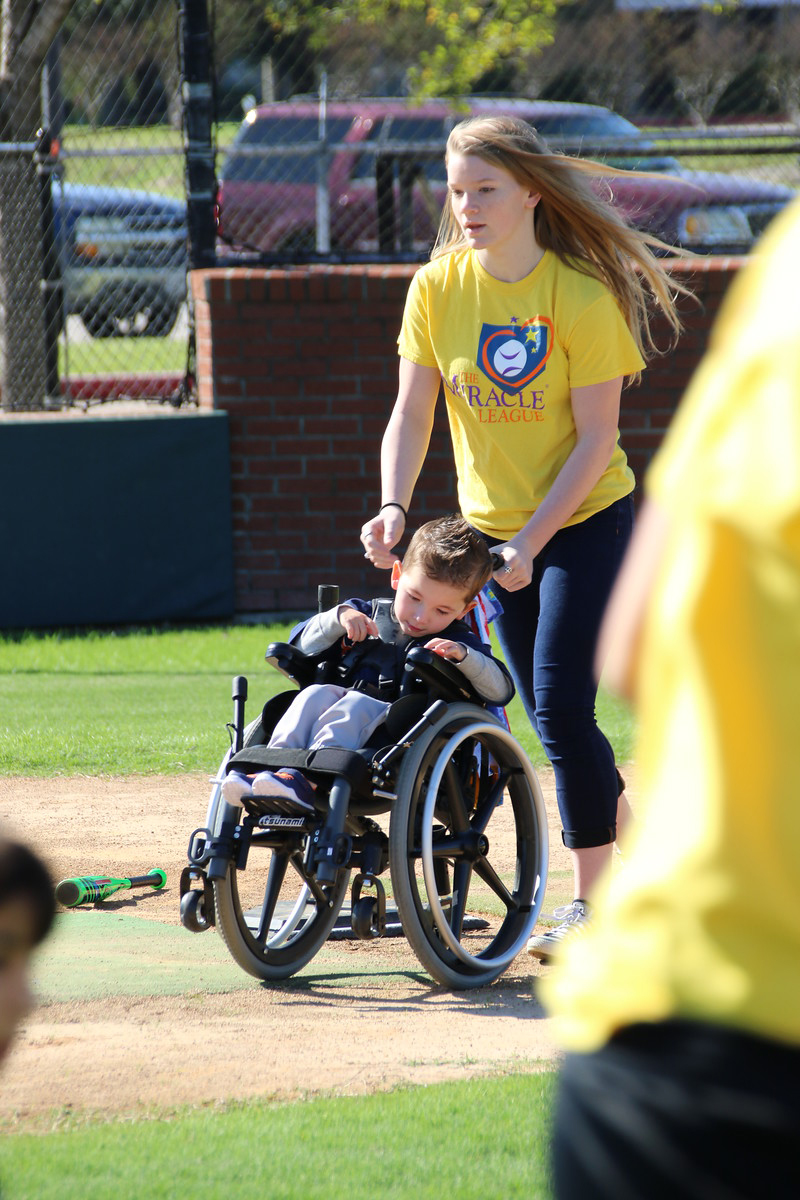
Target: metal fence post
(52,288)
(323,170)
(198,114)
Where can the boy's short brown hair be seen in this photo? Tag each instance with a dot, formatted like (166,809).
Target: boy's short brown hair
(450,551)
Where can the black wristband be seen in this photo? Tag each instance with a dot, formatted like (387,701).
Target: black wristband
(394,504)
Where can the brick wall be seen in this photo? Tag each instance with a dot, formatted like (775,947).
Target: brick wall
(304,360)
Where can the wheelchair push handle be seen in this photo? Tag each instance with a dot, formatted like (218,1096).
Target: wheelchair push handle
(497,562)
(239,696)
(327,596)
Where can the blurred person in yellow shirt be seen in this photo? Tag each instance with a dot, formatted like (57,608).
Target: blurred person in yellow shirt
(679,1008)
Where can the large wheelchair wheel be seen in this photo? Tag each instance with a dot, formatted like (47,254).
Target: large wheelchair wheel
(467,848)
(273,916)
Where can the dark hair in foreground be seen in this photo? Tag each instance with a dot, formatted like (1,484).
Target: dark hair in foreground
(23,876)
(450,551)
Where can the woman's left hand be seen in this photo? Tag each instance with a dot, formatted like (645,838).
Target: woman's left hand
(518,570)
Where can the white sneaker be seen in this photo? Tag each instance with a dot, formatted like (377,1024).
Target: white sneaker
(235,787)
(573,917)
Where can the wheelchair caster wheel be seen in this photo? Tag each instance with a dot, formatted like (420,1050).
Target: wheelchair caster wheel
(364,918)
(193,912)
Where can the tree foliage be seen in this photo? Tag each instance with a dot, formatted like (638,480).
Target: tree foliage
(466,39)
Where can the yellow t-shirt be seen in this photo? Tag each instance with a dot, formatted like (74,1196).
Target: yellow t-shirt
(509,353)
(703,920)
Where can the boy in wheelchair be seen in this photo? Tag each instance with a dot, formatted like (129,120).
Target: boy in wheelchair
(444,568)
(466,844)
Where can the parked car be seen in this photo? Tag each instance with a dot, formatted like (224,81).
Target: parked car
(279,175)
(122,256)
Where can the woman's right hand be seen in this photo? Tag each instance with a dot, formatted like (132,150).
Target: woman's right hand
(380,534)
(516,570)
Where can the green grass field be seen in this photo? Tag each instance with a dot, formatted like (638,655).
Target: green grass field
(149,158)
(127,701)
(157,701)
(138,701)
(482,1140)
(122,356)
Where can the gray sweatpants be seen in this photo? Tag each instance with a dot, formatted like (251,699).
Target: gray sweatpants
(326,714)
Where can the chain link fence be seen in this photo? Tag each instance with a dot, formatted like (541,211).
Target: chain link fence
(275,101)
(112,93)
(313,166)
(104,132)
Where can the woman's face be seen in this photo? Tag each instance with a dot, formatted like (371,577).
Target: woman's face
(16,946)
(493,210)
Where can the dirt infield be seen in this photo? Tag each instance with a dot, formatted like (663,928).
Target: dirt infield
(137,1015)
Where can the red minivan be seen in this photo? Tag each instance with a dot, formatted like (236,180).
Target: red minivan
(366,177)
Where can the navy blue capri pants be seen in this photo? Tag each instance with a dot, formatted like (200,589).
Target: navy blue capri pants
(548,634)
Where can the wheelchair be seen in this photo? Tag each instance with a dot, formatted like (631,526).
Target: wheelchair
(443,796)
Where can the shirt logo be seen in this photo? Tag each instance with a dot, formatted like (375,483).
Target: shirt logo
(512,355)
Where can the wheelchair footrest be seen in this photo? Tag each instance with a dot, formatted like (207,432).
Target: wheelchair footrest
(263,810)
(350,764)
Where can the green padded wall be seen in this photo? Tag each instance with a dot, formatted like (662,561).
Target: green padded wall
(114,520)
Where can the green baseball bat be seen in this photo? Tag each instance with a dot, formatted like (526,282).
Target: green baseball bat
(90,889)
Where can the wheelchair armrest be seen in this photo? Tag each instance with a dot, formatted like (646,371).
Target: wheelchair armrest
(291,662)
(439,675)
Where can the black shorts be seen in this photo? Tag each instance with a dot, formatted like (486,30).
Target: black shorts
(679,1110)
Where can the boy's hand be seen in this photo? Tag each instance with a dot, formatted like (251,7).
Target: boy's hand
(452,651)
(357,625)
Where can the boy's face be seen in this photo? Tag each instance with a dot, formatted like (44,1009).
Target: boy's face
(425,606)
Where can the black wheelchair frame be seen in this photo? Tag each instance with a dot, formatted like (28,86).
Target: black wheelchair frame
(466,846)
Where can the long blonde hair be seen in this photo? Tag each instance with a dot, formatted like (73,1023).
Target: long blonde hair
(582,228)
